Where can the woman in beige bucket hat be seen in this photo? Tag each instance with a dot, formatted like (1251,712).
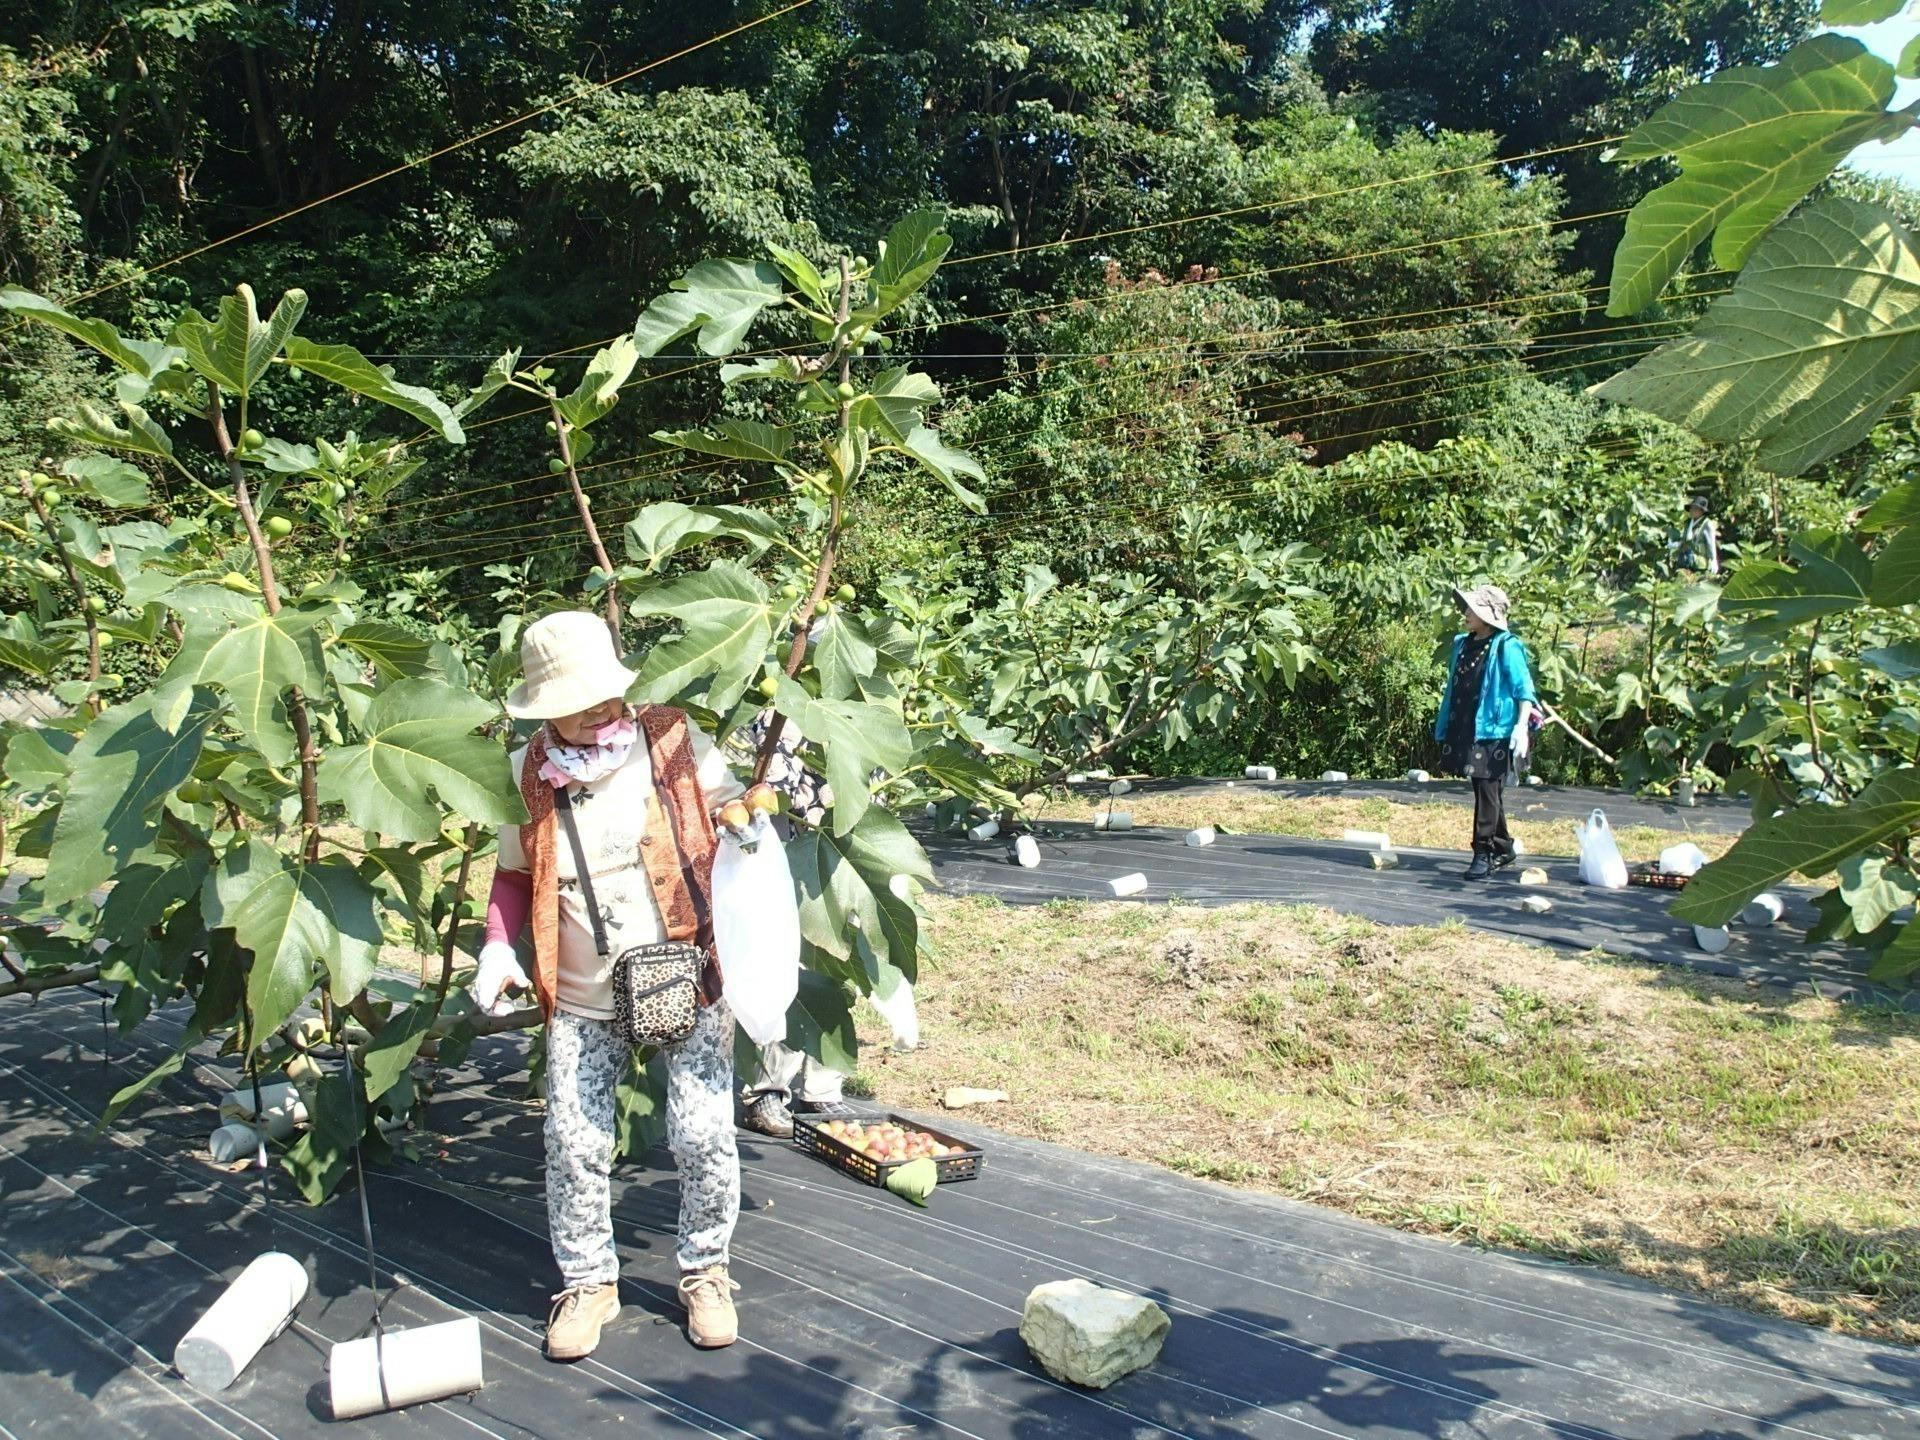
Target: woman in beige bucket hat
(642,785)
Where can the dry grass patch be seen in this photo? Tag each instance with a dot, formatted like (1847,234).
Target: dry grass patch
(1431,824)
(1739,1142)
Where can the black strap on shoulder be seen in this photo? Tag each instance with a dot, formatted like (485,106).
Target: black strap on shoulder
(563,802)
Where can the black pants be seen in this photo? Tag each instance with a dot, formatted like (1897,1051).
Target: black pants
(1490,835)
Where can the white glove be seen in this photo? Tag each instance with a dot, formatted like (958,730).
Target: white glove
(1522,739)
(500,971)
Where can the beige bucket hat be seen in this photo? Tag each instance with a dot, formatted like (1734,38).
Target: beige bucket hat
(1489,602)
(570,666)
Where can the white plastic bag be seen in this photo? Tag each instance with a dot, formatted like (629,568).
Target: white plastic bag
(1686,858)
(902,1015)
(756,933)
(1600,861)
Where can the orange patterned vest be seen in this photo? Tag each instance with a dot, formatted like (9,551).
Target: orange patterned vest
(681,871)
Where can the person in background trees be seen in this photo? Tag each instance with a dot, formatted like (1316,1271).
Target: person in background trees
(1485,720)
(642,786)
(1698,547)
(790,1082)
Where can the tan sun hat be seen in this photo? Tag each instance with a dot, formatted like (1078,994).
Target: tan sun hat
(1489,602)
(570,666)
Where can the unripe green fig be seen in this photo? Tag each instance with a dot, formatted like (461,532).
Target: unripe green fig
(844,594)
(826,607)
(192,792)
(279,526)
(769,687)
(106,642)
(251,439)
(845,391)
(51,497)
(556,465)
(96,605)
(240,585)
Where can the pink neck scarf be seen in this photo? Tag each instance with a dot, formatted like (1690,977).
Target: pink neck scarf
(611,746)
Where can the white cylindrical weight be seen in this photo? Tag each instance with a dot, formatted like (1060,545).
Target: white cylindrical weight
(253,1309)
(240,1102)
(1763,909)
(233,1141)
(931,810)
(1367,839)
(1683,792)
(1120,787)
(1114,820)
(1336,777)
(1026,852)
(1128,884)
(280,1121)
(985,830)
(1205,835)
(404,1367)
(1712,938)
(1078,777)
(304,1070)
(1262,772)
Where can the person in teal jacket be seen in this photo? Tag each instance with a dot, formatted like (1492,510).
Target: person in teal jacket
(1486,716)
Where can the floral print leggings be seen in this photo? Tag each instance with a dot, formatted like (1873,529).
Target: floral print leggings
(585,1061)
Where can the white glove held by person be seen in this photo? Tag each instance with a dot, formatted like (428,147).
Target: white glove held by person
(500,970)
(1522,740)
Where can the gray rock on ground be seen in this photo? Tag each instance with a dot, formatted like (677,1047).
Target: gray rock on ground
(1089,1335)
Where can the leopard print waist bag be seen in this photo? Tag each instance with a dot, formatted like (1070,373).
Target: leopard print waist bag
(656,988)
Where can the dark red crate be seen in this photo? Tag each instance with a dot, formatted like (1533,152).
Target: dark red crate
(811,1136)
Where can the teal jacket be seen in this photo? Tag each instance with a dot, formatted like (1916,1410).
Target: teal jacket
(1507,682)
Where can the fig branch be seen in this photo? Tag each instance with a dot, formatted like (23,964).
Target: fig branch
(581,504)
(836,514)
(270,595)
(73,579)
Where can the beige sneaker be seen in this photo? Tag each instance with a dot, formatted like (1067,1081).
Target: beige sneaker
(711,1320)
(579,1312)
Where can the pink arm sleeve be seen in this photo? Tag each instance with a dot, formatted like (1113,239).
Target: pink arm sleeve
(509,904)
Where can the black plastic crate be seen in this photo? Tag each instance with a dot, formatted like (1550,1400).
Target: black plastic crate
(810,1134)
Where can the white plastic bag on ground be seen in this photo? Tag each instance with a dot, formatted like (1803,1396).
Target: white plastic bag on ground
(1600,860)
(1686,858)
(756,933)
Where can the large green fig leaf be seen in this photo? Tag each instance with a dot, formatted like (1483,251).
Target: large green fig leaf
(1751,143)
(894,402)
(1833,576)
(726,620)
(915,247)
(735,439)
(122,767)
(846,885)
(96,334)
(719,298)
(1809,839)
(346,367)
(949,464)
(294,916)
(1859,12)
(662,531)
(820,1022)
(235,350)
(419,742)
(1819,335)
(395,654)
(110,481)
(254,662)
(640,1105)
(599,389)
(96,427)
(857,738)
